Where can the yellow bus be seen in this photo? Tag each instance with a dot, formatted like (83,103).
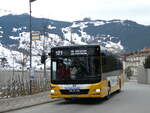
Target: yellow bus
(84,71)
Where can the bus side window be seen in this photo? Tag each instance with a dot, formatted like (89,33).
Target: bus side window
(97,65)
(103,58)
(104,62)
(54,69)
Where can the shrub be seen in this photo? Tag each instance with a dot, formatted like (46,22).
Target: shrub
(147,62)
(129,72)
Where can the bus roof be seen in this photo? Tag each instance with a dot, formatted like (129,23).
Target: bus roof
(102,49)
(76,46)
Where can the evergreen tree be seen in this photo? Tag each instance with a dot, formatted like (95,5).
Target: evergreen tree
(147,62)
(129,72)
(3,62)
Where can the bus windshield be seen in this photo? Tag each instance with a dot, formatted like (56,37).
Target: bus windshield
(75,69)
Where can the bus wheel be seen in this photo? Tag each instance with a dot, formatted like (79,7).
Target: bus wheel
(68,99)
(119,86)
(108,93)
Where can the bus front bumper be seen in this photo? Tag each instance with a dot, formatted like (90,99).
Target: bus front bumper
(89,95)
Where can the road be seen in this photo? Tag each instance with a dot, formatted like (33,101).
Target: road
(134,98)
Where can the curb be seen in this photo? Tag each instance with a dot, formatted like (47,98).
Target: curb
(27,106)
(12,104)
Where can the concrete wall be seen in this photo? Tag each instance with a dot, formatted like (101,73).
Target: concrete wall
(143,75)
(148,77)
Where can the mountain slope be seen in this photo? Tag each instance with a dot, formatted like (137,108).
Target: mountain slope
(130,35)
(115,35)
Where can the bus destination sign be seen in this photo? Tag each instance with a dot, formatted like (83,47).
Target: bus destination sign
(70,52)
(78,52)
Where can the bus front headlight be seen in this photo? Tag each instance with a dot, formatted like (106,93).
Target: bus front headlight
(52,91)
(97,90)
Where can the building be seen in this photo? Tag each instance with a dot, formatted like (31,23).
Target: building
(135,59)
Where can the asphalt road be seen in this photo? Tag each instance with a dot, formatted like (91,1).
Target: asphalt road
(134,98)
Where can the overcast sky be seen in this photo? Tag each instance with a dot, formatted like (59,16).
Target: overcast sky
(71,10)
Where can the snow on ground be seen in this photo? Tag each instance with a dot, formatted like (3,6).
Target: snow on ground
(51,27)
(81,25)
(18,29)
(1,32)
(75,37)
(14,58)
(98,23)
(114,47)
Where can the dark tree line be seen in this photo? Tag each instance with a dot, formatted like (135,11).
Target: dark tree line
(3,61)
(147,62)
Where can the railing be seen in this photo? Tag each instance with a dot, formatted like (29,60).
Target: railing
(18,86)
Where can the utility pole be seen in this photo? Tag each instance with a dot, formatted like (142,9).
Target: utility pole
(71,35)
(13,65)
(45,57)
(44,48)
(30,27)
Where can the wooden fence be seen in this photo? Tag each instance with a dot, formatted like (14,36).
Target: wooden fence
(18,86)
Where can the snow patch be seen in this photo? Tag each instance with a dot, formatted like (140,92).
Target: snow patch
(114,47)
(18,29)
(82,25)
(1,32)
(98,23)
(51,27)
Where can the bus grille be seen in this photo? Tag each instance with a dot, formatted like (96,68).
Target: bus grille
(74,91)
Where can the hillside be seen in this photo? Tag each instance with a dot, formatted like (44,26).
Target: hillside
(114,35)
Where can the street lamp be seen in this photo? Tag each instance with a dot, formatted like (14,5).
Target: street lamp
(30,1)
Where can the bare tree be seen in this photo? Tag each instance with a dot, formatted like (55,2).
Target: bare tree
(3,62)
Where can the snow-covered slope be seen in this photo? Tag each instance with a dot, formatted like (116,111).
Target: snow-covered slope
(113,35)
(82,37)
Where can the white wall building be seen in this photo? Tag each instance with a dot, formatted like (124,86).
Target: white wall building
(136,59)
